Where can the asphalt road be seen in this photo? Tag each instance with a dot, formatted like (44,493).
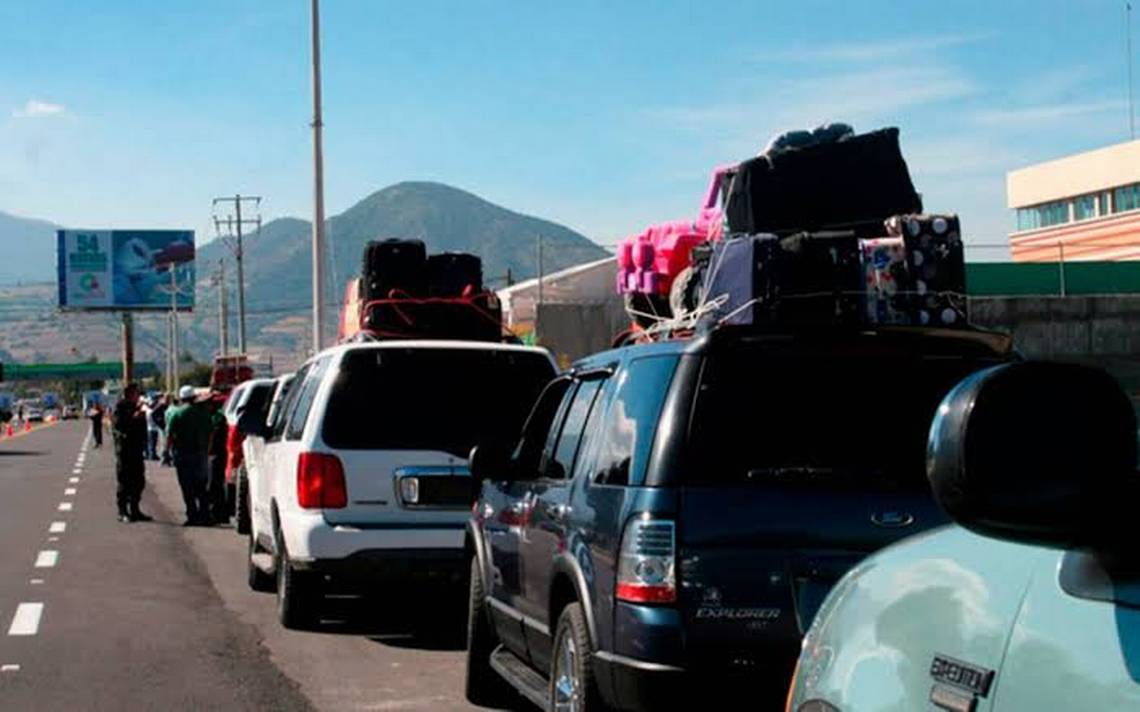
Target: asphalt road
(157,616)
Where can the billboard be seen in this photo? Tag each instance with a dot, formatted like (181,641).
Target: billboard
(125,269)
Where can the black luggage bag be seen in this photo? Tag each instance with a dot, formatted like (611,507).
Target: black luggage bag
(450,274)
(858,180)
(394,265)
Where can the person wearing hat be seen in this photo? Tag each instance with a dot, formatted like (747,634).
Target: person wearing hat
(188,435)
(128,427)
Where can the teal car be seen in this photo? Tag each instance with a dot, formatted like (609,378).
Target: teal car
(1033,602)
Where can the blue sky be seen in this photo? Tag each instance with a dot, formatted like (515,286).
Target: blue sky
(604,116)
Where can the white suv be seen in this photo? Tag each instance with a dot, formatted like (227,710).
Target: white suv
(364,477)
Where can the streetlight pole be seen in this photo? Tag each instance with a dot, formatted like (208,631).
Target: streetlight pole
(318,185)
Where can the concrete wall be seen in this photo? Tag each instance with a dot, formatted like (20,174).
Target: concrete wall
(572,331)
(1064,326)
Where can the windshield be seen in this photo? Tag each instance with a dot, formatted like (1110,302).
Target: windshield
(802,417)
(432,399)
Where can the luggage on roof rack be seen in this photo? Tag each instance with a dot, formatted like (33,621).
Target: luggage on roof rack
(453,274)
(860,179)
(394,265)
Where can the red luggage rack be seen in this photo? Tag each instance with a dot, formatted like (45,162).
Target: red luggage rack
(475,316)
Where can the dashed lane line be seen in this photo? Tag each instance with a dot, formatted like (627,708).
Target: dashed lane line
(65,506)
(27,619)
(68,492)
(47,559)
(73,480)
(9,667)
(36,582)
(57,527)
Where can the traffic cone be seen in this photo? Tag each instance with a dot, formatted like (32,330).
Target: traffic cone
(27,426)
(11,430)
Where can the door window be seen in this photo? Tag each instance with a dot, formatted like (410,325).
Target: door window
(629,426)
(561,461)
(539,425)
(304,401)
(285,404)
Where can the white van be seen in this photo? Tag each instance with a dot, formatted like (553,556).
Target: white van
(364,478)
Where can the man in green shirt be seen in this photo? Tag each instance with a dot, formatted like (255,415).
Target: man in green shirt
(188,433)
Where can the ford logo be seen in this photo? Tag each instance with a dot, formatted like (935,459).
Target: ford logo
(892,520)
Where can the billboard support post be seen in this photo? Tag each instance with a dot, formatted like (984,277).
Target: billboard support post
(174,330)
(128,349)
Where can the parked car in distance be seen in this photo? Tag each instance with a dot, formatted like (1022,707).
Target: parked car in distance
(674,513)
(364,477)
(69,412)
(1033,602)
(252,396)
(33,413)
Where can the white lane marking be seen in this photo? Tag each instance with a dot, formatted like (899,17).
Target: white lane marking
(9,667)
(65,506)
(27,619)
(76,471)
(53,539)
(73,480)
(57,527)
(68,491)
(47,559)
(36,582)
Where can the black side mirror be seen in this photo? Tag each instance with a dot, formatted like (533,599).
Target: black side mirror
(491,461)
(1041,453)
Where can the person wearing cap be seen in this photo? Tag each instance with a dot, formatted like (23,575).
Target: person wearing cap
(128,427)
(188,435)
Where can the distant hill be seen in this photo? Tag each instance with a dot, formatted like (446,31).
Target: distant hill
(279,265)
(28,246)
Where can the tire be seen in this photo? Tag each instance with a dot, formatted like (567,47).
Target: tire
(296,599)
(572,684)
(684,292)
(483,685)
(241,503)
(258,580)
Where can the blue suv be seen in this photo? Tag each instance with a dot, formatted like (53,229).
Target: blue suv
(674,513)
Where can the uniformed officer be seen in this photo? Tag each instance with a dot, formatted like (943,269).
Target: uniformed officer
(128,424)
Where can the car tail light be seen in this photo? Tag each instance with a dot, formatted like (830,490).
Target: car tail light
(320,481)
(646,562)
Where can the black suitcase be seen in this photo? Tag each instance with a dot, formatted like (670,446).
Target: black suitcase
(854,181)
(450,274)
(394,266)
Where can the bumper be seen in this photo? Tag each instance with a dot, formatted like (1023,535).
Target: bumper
(443,566)
(637,685)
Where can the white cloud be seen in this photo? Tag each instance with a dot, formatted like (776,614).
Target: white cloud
(1045,114)
(37,109)
(868,51)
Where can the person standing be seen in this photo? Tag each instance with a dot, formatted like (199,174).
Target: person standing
(96,415)
(216,490)
(188,437)
(128,427)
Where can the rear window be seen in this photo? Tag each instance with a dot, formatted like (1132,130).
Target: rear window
(432,399)
(832,417)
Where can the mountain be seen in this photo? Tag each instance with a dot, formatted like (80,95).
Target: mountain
(278,261)
(28,247)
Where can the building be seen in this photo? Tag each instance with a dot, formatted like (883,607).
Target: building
(1078,208)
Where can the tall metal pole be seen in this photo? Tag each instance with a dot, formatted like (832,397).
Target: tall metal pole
(318,185)
(174,328)
(223,312)
(128,349)
(240,280)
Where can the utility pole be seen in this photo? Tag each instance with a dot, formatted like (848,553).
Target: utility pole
(538,263)
(223,312)
(128,349)
(174,329)
(318,185)
(235,224)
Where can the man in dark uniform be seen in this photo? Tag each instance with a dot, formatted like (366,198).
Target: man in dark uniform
(129,427)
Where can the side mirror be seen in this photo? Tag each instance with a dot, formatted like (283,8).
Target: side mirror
(1034,452)
(490,461)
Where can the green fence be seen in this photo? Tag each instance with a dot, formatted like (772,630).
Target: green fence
(1011,279)
(101,371)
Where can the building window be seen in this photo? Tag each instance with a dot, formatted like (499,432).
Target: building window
(1105,207)
(1126,198)
(1084,207)
(1046,215)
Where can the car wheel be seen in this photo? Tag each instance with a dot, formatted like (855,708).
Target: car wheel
(296,602)
(484,686)
(242,502)
(572,684)
(258,580)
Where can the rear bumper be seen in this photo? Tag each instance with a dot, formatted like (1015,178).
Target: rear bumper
(445,566)
(637,685)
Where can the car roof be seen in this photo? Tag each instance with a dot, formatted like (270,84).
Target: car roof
(341,349)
